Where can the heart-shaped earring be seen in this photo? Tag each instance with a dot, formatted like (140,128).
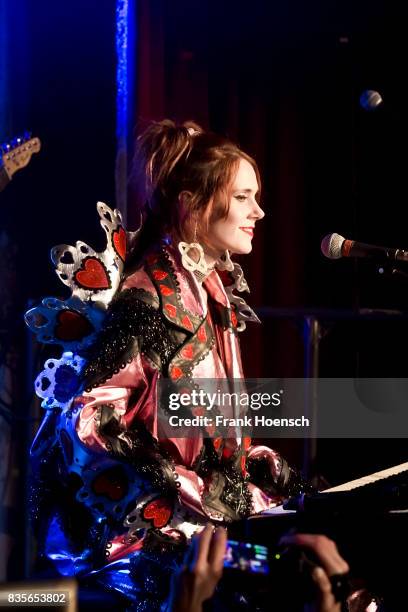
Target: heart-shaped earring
(199,268)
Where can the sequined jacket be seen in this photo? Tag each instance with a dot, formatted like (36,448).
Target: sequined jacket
(121,488)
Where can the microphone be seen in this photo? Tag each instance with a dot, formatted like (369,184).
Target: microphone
(335,246)
(370,100)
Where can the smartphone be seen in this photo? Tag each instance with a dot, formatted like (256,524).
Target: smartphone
(247,557)
(262,571)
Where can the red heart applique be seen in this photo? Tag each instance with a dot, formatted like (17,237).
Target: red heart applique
(171,310)
(246,442)
(201,334)
(166,290)
(187,352)
(217,443)
(119,242)
(186,322)
(159,511)
(93,275)
(227,453)
(176,373)
(160,275)
(234,319)
(72,326)
(112,483)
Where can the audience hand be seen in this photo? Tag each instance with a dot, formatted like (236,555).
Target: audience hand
(201,571)
(332,564)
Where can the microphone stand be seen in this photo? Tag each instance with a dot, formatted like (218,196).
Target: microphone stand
(312,334)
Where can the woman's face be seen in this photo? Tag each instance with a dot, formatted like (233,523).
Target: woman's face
(236,231)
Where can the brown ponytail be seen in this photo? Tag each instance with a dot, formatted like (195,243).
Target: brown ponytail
(159,149)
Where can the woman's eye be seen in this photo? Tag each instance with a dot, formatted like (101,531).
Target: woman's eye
(241,197)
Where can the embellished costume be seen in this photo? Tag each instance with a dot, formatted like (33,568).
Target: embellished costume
(114,499)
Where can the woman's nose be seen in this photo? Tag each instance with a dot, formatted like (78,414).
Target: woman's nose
(257,212)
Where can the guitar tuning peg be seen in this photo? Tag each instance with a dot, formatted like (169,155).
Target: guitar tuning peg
(14,143)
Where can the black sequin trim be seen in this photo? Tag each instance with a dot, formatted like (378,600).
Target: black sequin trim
(288,484)
(228,491)
(138,447)
(131,326)
(173,275)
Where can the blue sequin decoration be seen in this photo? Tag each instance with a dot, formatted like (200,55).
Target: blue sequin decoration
(66,383)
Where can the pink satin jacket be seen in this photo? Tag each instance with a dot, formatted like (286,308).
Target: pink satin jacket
(112,436)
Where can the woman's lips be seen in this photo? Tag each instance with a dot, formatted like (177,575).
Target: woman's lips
(248,230)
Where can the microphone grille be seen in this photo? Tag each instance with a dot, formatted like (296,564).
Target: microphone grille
(331,246)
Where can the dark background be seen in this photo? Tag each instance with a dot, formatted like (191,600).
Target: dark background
(284,80)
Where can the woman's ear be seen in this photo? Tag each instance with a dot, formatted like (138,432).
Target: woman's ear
(184,199)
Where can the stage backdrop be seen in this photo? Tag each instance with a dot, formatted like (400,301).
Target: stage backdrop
(285,82)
